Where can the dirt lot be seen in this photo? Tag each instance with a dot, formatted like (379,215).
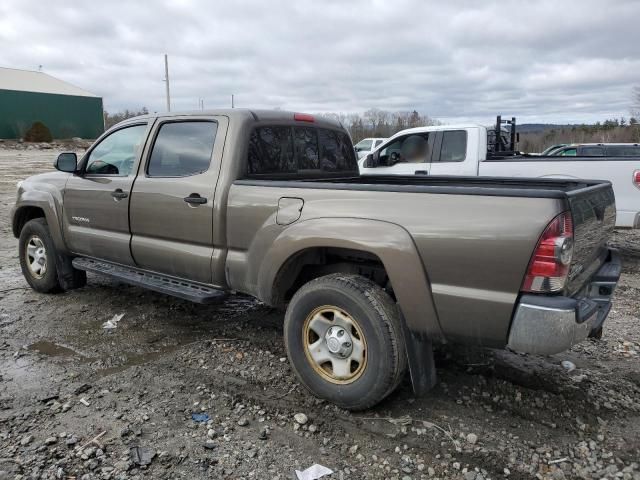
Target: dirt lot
(64,380)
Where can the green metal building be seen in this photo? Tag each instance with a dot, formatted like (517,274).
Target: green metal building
(27,97)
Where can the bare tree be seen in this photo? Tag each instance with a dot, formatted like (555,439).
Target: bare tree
(110,119)
(376,122)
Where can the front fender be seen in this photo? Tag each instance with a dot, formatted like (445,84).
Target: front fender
(391,243)
(50,202)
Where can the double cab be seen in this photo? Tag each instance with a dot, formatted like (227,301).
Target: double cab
(372,270)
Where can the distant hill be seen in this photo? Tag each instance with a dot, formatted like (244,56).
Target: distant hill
(541,127)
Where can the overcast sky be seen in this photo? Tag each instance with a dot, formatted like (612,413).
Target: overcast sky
(551,61)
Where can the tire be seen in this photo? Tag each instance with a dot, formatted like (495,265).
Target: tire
(363,310)
(35,236)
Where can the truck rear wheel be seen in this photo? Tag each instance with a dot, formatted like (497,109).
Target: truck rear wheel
(344,340)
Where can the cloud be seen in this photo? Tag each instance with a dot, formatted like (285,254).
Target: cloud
(567,61)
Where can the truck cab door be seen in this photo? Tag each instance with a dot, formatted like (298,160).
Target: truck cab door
(96,201)
(455,152)
(172,201)
(405,155)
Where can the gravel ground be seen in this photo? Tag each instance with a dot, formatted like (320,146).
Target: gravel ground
(80,402)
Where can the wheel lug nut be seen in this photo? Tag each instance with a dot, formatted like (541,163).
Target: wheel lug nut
(340,333)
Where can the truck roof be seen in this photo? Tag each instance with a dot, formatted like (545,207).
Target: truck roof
(435,128)
(258,115)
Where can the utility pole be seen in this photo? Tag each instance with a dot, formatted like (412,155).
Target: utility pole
(232,101)
(166,79)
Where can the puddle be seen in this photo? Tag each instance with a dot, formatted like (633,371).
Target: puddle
(52,349)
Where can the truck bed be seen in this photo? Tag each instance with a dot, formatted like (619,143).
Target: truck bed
(457,224)
(488,186)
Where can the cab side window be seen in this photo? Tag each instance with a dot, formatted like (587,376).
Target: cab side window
(182,149)
(623,151)
(117,153)
(413,148)
(569,152)
(592,151)
(454,146)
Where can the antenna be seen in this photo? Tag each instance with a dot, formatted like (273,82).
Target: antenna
(166,79)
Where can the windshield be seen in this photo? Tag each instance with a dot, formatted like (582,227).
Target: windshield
(364,144)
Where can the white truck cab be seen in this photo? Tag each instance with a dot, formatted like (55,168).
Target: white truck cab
(437,150)
(471,150)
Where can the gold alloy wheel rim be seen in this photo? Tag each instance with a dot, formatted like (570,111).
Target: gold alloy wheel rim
(334,345)
(36,257)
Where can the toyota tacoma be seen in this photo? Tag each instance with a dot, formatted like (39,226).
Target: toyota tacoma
(372,270)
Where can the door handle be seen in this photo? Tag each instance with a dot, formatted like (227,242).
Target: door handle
(421,172)
(195,198)
(118,194)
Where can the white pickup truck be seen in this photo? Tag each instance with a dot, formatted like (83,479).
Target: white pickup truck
(466,150)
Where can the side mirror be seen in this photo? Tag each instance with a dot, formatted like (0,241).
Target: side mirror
(67,162)
(371,161)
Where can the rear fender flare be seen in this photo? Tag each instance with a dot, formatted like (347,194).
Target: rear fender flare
(391,243)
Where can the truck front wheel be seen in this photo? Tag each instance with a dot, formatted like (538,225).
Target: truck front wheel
(38,257)
(344,340)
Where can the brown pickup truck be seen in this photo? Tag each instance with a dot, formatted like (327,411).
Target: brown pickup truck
(372,270)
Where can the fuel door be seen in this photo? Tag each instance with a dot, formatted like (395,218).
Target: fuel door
(289,210)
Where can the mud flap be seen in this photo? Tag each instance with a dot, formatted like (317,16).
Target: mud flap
(422,365)
(69,277)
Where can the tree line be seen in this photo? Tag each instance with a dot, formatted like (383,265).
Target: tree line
(372,123)
(376,122)
(380,123)
(610,131)
(110,119)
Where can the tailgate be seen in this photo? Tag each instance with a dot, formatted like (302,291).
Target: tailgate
(594,216)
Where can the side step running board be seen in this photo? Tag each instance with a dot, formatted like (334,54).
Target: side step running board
(157,282)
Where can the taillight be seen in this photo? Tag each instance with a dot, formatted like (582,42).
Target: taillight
(303,117)
(636,178)
(549,265)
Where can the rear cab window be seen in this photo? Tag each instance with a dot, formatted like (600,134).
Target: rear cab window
(300,152)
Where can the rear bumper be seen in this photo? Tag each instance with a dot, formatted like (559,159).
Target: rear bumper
(546,325)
